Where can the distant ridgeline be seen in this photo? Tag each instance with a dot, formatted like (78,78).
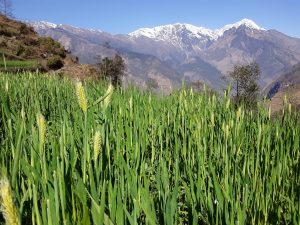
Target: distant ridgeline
(287,80)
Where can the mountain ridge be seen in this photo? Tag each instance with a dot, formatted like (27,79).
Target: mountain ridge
(243,22)
(196,30)
(180,45)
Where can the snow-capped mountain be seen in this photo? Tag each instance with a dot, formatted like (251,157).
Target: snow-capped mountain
(171,31)
(177,30)
(42,25)
(182,51)
(191,39)
(244,22)
(164,32)
(186,37)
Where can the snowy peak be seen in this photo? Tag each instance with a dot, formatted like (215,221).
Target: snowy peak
(244,22)
(43,25)
(167,31)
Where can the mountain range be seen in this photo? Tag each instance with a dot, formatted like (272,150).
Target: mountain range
(171,53)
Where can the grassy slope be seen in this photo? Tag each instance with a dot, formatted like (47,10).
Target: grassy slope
(181,159)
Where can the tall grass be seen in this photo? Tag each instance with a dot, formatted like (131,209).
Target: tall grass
(135,158)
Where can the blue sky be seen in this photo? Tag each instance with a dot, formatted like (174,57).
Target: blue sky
(124,16)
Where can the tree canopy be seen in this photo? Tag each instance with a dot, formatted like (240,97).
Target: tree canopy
(244,83)
(113,69)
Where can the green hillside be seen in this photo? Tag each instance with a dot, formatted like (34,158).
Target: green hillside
(74,157)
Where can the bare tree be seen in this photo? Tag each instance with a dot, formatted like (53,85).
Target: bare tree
(6,8)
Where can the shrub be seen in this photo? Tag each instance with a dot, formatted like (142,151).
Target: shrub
(20,50)
(61,52)
(6,32)
(28,52)
(55,63)
(30,41)
(3,44)
(52,47)
(24,29)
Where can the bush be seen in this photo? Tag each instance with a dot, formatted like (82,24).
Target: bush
(30,41)
(55,63)
(6,32)
(24,29)
(20,50)
(61,52)
(52,47)
(3,44)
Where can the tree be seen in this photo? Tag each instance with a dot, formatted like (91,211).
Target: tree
(244,83)
(113,69)
(6,8)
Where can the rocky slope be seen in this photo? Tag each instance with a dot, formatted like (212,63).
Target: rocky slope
(20,42)
(24,49)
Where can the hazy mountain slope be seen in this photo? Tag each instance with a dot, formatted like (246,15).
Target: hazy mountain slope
(195,53)
(195,69)
(144,62)
(273,51)
(290,95)
(140,64)
(288,80)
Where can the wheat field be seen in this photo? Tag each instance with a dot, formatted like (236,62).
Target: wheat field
(85,153)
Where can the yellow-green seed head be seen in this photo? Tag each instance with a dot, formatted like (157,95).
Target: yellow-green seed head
(228,103)
(81,97)
(42,127)
(8,208)
(22,113)
(97,144)
(239,113)
(6,86)
(130,103)
(212,119)
(108,95)
(191,92)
